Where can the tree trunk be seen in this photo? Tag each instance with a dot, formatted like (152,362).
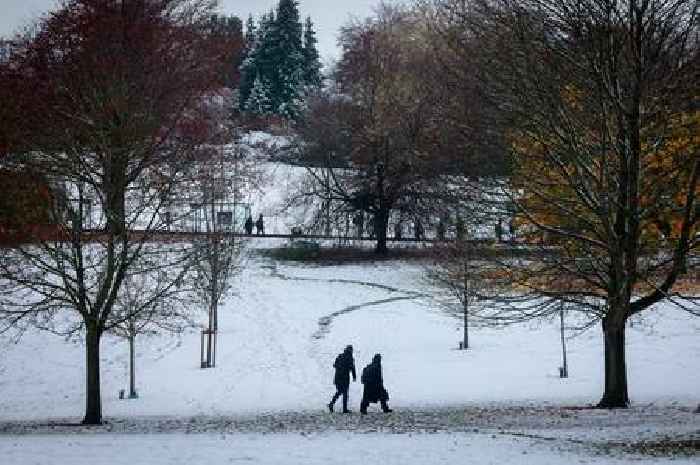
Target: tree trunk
(615,395)
(93,401)
(381,224)
(132,366)
(465,342)
(465,304)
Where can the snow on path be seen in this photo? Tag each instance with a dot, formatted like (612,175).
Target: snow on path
(293,449)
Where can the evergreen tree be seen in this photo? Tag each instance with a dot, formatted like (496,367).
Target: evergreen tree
(249,33)
(259,100)
(281,62)
(256,62)
(287,54)
(312,63)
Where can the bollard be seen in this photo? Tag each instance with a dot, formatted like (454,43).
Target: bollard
(121,394)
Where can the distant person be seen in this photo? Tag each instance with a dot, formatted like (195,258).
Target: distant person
(512,227)
(459,229)
(344,366)
(397,230)
(249,225)
(374,390)
(260,226)
(359,222)
(418,230)
(441,230)
(499,231)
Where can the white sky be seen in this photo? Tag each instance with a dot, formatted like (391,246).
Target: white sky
(327,15)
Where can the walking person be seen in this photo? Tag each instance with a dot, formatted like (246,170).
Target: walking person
(359,222)
(260,226)
(249,225)
(418,230)
(374,390)
(441,230)
(344,366)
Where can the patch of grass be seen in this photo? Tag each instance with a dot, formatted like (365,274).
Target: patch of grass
(662,448)
(338,255)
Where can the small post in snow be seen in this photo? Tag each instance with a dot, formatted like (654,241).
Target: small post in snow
(564,369)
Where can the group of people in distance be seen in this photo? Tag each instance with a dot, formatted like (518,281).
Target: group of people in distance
(259,225)
(371,378)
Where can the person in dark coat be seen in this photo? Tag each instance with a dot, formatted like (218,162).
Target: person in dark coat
(441,230)
(260,226)
(344,366)
(374,390)
(418,230)
(249,225)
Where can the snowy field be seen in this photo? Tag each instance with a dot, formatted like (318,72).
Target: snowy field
(499,402)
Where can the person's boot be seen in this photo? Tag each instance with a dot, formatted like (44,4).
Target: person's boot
(385,408)
(330,407)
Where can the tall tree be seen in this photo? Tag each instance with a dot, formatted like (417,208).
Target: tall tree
(287,55)
(258,63)
(312,62)
(600,100)
(112,96)
(277,59)
(381,138)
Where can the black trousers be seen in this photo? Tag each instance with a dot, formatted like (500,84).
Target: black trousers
(383,398)
(341,390)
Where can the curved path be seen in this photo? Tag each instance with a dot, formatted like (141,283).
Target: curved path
(324,323)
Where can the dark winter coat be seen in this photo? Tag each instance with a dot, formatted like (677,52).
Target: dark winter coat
(249,225)
(374,384)
(344,366)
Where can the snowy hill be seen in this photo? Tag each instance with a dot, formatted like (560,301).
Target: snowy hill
(279,337)
(499,402)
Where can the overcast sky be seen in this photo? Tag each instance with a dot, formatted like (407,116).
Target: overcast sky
(327,15)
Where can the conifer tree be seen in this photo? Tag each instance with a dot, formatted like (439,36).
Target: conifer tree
(282,62)
(312,62)
(287,54)
(250,32)
(259,101)
(256,62)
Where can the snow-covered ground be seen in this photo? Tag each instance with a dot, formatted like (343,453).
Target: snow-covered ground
(295,449)
(277,342)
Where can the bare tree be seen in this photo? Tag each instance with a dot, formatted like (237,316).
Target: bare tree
(217,189)
(373,144)
(110,94)
(456,273)
(599,99)
(147,305)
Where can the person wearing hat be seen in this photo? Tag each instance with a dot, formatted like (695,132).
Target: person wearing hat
(374,390)
(344,366)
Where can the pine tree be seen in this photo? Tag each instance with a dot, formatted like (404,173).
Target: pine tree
(312,63)
(287,54)
(281,61)
(259,101)
(249,33)
(256,62)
